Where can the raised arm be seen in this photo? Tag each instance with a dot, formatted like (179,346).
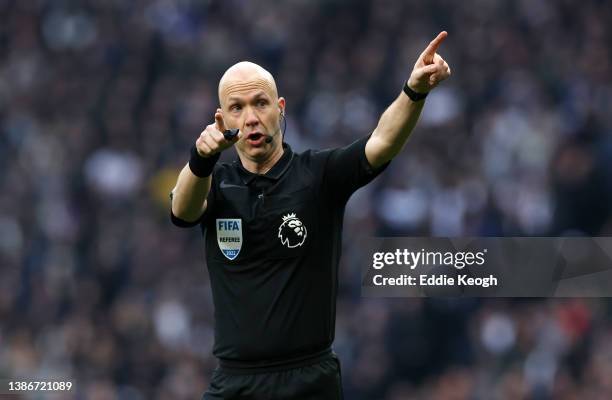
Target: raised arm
(193,184)
(400,118)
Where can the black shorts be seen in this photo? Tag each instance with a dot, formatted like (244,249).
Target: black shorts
(320,380)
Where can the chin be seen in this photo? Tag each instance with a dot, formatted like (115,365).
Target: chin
(256,153)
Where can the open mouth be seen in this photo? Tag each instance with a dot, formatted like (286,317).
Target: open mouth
(256,139)
(255,136)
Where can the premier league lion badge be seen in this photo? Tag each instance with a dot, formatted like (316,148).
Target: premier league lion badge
(292,231)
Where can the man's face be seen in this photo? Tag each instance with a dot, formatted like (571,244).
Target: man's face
(253,106)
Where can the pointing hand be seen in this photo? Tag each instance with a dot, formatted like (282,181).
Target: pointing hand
(430,69)
(212,139)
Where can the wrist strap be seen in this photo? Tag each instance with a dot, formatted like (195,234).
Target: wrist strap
(202,167)
(414,96)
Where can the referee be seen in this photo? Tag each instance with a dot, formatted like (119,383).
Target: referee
(272,226)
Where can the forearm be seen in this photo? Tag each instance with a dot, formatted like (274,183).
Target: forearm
(393,129)
(398,121)
(189,195)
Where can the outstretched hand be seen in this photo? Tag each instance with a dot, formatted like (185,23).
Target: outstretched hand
(212,141)
(430,69)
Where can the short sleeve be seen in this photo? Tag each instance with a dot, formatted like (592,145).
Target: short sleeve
(181,223)
(347,169)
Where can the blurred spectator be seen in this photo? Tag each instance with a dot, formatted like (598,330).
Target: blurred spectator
(100,101)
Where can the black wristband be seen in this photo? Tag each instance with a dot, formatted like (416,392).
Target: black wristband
(202,166)
(414,96)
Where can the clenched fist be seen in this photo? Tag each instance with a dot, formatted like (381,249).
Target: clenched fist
(430,69)
(211,140)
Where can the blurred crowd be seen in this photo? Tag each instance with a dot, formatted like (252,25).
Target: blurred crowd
(100,101)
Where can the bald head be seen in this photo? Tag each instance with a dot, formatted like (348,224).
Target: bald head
(245,76)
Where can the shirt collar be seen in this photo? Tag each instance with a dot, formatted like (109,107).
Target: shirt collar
(273,173)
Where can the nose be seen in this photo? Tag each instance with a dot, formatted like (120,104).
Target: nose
(251,119)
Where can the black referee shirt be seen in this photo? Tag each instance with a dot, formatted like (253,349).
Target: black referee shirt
(273,244)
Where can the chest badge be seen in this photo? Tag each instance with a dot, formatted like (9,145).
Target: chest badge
(292,232)
(229,236)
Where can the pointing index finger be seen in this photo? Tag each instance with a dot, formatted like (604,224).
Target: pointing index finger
(219,121)
(431,49)
(228,134)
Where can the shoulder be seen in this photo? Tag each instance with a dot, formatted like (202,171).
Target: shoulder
(313,157)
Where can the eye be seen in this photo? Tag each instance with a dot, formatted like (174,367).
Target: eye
(235,107)
(261,103)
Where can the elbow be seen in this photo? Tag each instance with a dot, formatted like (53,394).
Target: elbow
(380,151)
(186,213)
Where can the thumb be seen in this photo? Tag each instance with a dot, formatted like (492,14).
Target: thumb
(219,121)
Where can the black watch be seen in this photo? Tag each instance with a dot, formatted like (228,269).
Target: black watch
(414,96)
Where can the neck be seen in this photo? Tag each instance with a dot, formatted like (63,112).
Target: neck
(261,166)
